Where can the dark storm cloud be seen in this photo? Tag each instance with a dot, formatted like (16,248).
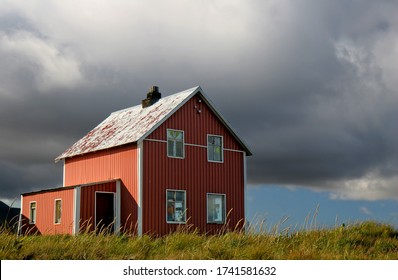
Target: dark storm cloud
(19,178)
(309,85)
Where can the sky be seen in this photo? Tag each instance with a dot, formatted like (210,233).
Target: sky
(309,85)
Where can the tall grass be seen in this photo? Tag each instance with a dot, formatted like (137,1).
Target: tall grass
(368,240)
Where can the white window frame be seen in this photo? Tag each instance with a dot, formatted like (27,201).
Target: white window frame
(183,143)
(32,221)
(55,211)
(184,212)
(224,205)
(222,148)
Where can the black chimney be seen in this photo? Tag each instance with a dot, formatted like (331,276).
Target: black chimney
(152,97)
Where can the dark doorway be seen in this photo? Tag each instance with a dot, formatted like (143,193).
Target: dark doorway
(104,212)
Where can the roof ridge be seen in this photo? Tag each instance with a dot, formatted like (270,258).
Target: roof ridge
(135,123)
(119,129)
(162,99)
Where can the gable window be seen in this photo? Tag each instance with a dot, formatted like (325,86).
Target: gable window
(175,143)
(32,213)
(215,148)
(57,211)
(175,206)
(216,208)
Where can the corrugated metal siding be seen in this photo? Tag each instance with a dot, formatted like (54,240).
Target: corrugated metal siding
(126,126)
(117,163)
(87,203)
(196,125)
(45,213)
(194,174)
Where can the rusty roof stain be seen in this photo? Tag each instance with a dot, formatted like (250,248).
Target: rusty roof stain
(136,123)
(128,125)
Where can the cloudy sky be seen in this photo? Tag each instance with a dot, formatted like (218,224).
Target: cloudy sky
(310,85)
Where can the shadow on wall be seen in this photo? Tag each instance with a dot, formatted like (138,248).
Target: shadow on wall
(27,228)
(9,217)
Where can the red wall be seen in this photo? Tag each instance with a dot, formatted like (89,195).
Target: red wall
(45,211)
(87,203)
(194,173)
(117,163)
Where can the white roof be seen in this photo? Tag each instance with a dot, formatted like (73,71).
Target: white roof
(134,124)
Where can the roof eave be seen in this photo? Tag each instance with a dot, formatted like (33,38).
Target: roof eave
(195,90)
(226,124)
(199,90)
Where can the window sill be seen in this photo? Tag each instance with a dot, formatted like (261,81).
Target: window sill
(176,223)
(175,157)
(215,161)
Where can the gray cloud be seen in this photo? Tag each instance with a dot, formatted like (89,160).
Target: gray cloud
(309,85)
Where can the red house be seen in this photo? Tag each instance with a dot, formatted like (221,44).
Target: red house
(148,169)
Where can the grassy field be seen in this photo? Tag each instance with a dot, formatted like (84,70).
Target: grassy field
(368,240)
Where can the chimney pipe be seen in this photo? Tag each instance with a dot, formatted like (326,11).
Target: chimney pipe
(152,97)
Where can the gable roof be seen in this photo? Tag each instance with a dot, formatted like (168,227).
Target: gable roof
(135,123)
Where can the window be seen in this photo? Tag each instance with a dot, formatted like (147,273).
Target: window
(32,213)
(175,143)
(214,148)
(57,211)
(175,206)
(216,208)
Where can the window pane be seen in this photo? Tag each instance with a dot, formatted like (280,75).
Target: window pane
(170,195)
(179,149)
(175,135)
(216,208)
(58,211)
(175,143)
(170,211)
(180,196)
(178,135)
(210,140)
(33,212)
(170,148)
(33,216)
(176,206)
(215,152)
(180,211)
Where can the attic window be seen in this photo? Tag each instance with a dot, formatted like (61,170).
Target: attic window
(175,143)
(215,148)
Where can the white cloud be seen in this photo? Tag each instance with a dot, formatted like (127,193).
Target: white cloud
(371,187)
(124,33)
(50,66)
(366,211)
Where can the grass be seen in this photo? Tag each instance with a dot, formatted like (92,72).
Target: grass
(367,240)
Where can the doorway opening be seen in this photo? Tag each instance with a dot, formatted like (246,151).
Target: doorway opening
(105,212)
